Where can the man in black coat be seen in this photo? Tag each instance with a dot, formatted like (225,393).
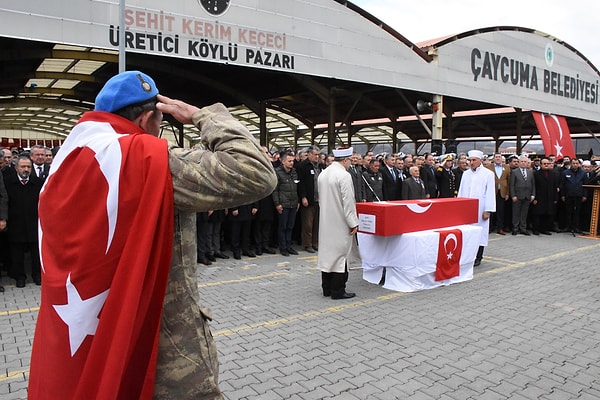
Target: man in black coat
(23,190)
(427,175)
(308,173)
(546,197)
(392,185)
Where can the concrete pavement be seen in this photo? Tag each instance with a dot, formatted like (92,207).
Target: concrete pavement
(526,327)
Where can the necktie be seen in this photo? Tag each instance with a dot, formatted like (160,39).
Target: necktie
(418,180)
(524,173)
(393,174)
(39,172)
(24,181)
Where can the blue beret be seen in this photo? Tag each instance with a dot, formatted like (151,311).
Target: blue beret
(125,89)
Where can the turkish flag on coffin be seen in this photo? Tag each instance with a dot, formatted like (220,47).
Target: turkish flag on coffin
(555,134)
(449,252)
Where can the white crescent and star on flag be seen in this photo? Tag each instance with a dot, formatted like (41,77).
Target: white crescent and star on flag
(557,147)
(421,207)
(451,237)
(81,315)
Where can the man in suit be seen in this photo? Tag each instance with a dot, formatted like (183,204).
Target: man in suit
(413,188)
(3,212)
(427,175)
(23,189)
(546,197)
(38,156)
(522,191)
(392,185)
(502,174)
(356,171)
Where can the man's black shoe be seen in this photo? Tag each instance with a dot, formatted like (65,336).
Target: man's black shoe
(514,233)
(259,252)
(38,282)
(20,283)
(545,233)
(525,233)
(269,250)
(285,253)
(249,253)
(204,261)
(309,249)
(536,233)
(326,293)
(346,295)
(237,255)
(315,248)
(292,251)
(477,263)
(1,289)
(221,255)
(211,257)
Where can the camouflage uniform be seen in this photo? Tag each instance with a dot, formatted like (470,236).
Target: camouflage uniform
(233,171)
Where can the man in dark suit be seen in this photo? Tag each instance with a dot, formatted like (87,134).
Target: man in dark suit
(23,190)
(392,185)
(3,210)
(522,191)
(38,156)
(413,188)
(501,172)
(356,171)
(427,175)
(546,197)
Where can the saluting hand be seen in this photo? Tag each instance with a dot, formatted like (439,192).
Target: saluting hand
(180,110)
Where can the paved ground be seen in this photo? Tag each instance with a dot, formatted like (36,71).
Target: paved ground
(526,327)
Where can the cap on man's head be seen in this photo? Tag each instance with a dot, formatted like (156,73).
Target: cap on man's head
(341,153)
(126,89)
(586,163)
(447,157)
(475,153)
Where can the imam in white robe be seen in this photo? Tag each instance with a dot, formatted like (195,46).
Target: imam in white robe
(337,216)
(480,185)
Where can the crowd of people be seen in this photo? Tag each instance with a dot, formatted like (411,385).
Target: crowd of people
(22,177)
(534,194)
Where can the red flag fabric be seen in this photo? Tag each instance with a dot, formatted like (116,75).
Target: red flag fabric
(449,252)
(106,232)
(555,134)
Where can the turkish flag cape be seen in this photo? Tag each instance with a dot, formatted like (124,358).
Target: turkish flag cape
(555,134)
(106,234)
(449,252)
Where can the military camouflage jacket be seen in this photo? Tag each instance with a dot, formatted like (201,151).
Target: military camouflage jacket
(230,171)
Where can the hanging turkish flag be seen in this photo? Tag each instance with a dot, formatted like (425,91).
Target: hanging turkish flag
(555,134)
(449,251)
(106,232)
